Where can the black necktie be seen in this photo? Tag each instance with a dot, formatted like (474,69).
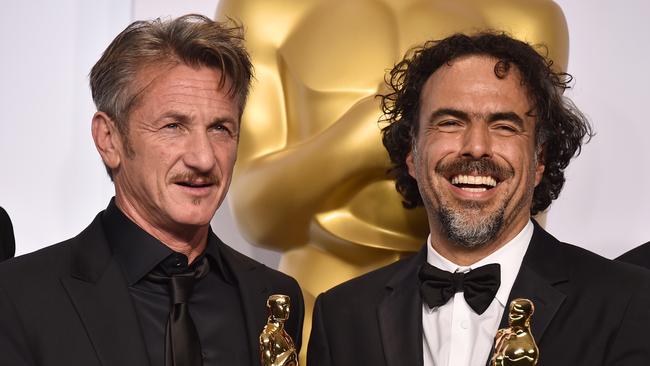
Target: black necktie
(478,285)
(182,343)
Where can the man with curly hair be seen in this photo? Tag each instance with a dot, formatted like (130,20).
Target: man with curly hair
(479,133)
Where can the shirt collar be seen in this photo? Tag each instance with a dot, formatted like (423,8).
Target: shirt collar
(138,252)
(509,257)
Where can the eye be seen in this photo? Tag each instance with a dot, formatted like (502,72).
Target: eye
(221,127)
(171,126)
(449,125)
(224,127)
(506,129)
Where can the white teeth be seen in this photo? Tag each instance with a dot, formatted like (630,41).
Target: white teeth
(474,179)
(474,189)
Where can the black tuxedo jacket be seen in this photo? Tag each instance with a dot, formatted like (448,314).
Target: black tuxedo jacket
(588,311)
(7,242)
(69,305)
(639,256)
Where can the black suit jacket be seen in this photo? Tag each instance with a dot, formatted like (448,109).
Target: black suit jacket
(639,256)
(588,311)
(7,241)
(69,305)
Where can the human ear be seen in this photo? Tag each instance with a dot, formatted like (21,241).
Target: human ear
(539,167)
(409,160)
(107,140)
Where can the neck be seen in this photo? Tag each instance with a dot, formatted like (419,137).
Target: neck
(185,239)
(277,323)
(464,256)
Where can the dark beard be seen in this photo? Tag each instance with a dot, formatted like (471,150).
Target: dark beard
(461,229)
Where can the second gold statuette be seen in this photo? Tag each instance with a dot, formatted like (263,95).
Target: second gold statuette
(276,346)
(515,344)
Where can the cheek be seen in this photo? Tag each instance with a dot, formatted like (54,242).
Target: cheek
(226,155)
(431,151)
(443,146)
(530,169)
(162,162)
(439,155)
(518,155)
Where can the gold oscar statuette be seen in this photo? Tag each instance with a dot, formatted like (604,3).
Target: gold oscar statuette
(276,346)
(515,344)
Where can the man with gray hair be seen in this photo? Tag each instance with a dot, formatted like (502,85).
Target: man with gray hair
(148,282)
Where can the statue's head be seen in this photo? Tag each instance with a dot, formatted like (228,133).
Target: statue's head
(521,310)
(279,307)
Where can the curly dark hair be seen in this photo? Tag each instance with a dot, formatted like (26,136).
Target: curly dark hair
(560,130)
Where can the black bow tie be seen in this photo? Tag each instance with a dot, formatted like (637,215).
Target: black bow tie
(478,285)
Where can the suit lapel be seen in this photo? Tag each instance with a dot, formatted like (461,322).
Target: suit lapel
(254,292)
(542,269)
(400,315)
(99,293)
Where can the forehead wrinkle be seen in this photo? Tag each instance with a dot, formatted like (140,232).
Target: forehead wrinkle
(190,92)
(190,87)
(142,86)
(197,83)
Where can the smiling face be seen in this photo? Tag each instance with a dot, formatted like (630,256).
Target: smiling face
(474,157)
(172,171)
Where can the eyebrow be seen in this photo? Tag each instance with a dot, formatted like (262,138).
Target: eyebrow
(448,112)
(175,115)
(506,116)
(183,118)
(492,117)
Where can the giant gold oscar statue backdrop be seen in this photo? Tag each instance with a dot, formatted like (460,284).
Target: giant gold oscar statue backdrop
(311,175)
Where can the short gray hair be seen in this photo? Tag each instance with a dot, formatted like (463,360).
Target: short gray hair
(192,39)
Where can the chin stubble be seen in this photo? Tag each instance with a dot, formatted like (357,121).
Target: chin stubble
(468,227)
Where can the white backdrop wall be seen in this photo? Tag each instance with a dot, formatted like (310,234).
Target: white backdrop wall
(52,181)
(605,205)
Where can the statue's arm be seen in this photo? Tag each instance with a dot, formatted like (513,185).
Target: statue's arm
(266,349)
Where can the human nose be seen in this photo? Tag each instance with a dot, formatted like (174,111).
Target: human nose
(199,153)
(477,142)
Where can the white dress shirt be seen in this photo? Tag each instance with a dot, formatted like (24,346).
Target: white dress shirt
(453,334)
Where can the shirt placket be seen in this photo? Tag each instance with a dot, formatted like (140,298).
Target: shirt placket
(460,352)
